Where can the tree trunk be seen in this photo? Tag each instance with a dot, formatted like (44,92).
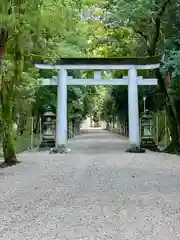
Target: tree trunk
(108,126)
(3,41)
(7,110)
(113,121)
(9,149)
(36,128)
(7,118)
(22,124)
(173,121)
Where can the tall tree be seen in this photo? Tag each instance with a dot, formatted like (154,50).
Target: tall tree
(149,21)
(53,32)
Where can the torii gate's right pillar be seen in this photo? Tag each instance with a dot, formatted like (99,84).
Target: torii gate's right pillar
(133,112)
(133,109)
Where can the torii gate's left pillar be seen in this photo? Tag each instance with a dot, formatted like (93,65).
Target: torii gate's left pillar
(61,115)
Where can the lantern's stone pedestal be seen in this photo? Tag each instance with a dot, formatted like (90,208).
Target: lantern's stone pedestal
(149,143)
(47,144)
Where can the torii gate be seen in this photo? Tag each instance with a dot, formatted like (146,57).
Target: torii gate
(132,80)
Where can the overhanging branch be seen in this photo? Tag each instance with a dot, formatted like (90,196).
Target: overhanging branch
(157,21)
(142,34)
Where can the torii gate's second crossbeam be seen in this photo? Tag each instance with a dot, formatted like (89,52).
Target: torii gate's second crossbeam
(98,81)
(132,80)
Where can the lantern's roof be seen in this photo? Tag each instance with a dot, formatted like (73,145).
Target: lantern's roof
(147,115)
(49,114)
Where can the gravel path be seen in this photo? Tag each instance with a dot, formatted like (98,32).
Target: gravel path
(97,191)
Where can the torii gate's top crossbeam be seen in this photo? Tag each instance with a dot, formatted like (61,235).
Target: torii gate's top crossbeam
(103,63)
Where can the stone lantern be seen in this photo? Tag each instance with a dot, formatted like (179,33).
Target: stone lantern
(48,138)
(147,139)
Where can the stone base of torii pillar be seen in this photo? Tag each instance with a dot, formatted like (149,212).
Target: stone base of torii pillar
(60,149)
(135,150)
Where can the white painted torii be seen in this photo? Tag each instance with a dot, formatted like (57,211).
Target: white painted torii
(132,80)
